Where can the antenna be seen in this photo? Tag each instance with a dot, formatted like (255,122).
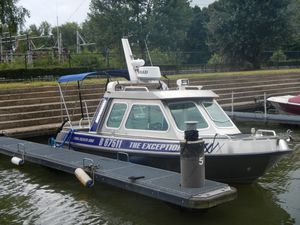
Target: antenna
(78,7)
(136,69)
(59,37)
(148,53)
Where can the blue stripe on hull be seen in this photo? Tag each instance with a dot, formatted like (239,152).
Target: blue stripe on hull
(134,145)
(126,144)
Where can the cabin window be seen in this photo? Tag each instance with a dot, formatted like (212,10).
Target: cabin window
(146,117)
(216,114)
(116,115)
(186,111)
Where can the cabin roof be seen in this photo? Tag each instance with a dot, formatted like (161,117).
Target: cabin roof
(162,94)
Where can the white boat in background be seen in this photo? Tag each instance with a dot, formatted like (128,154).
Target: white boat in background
(145,120)
(286,104)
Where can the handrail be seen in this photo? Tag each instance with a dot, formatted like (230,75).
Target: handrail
(66,138)
(87,115)
(64,103)
(261,132)
(214,136)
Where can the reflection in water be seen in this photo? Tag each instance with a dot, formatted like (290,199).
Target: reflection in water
(284,182)
(37,195)
(29,199)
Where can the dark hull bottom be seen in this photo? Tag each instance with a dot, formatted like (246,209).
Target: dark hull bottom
(229,169)
(289,108)
(224,168)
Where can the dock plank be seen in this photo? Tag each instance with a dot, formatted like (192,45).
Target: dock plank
(153,182)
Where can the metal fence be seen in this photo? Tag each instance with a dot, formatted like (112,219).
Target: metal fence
(168,61)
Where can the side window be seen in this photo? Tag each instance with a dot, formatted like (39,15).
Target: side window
(146,117)
(116,115)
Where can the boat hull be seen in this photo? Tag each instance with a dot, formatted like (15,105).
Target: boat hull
(290,108)
(229,168)
(284,106)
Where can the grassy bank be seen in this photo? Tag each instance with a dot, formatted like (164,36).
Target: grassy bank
(238,73)
(29,84)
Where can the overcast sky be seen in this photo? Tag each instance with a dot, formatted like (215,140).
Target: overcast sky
(65,10)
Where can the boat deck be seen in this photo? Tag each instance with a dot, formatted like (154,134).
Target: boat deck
(152,182)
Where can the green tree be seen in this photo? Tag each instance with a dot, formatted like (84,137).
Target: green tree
(33,30)
(170,22)
(109,21)
(163,23)
(278,56)
(195,42)
(215,60)
(294,42)
(240,30)
(45,28)
(68,32)
(12,16)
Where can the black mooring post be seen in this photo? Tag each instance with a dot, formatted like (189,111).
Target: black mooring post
(80,99)
(192,161)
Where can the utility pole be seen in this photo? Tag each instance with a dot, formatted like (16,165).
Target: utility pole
(58,40)
(1,49)
(80,42)
(11,54)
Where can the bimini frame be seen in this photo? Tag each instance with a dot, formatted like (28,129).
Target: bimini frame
(79,79)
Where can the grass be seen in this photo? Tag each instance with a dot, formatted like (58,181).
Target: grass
(29,84)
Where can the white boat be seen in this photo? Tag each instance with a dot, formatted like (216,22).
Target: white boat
(144,120)
(286,104)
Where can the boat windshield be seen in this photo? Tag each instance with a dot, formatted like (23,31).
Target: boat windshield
(146,117)
(186,111)
(216,114)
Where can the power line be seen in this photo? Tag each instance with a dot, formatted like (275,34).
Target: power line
(75,11)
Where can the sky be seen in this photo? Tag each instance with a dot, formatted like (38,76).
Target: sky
(65,10)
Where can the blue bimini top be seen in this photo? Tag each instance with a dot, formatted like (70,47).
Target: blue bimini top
(82,76)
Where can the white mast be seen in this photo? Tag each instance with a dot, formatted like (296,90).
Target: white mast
(132,64)
(136,69)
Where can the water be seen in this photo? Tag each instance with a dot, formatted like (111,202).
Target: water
(36,195)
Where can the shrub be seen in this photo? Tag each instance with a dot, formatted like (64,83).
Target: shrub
(278,56)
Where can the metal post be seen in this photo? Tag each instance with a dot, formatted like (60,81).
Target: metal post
(65,105)
(80,100)
(77,42)
(265,105)
(1,49)
(107,57)
(61,58)
(149,56)
(232,106)
(10,50)
(192,161)
(25,61)
(69,57)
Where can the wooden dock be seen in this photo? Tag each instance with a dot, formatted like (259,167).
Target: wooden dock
(152,182)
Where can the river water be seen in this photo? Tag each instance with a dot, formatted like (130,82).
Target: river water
(36,195)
